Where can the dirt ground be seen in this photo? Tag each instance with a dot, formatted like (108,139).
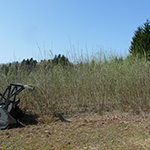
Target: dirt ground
(85,132)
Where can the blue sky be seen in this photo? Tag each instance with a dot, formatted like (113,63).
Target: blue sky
(30,28)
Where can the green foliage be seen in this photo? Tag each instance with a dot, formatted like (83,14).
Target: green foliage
(28,64)
(5,69)
(62,60)
(140,44)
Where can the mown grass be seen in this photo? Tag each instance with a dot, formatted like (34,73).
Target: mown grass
(93,132)
(90,85)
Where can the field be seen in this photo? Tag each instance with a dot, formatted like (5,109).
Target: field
(113,131)
(107,100)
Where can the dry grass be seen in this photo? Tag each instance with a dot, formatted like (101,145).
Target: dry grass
(91,87)
(114,131)
(88,86)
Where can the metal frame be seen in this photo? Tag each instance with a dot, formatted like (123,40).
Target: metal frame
(8,105)
(9,95)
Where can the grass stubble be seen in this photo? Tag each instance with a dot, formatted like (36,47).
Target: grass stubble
(108,131)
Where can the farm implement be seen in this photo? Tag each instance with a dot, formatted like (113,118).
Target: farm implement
(9,110)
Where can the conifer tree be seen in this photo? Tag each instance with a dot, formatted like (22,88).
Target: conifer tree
(140,44)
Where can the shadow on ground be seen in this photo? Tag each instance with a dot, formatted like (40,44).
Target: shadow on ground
(29,119)
(25,120)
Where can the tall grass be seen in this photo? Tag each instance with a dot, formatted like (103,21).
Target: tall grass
(87,86)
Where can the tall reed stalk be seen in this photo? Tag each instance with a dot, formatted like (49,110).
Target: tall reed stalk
(87,86)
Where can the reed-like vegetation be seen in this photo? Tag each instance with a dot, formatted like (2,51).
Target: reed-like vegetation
(90,85)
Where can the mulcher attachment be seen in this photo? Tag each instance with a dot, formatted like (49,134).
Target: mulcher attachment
(9,111)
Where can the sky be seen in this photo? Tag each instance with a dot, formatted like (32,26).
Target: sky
(40,29)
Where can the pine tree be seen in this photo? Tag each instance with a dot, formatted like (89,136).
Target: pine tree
(140,44)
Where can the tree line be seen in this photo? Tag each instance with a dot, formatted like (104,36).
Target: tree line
(30,64)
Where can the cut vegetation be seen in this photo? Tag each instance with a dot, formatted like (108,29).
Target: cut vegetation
(113,131)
